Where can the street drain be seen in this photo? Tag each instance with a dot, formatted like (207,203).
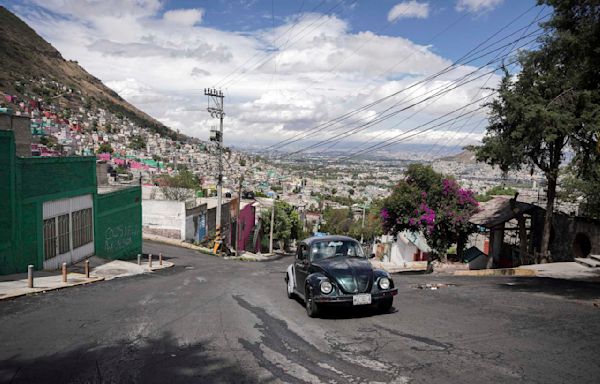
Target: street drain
(434,286)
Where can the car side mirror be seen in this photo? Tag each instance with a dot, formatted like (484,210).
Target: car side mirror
(372,256)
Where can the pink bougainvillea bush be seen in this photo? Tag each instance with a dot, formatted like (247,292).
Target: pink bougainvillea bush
(427,202)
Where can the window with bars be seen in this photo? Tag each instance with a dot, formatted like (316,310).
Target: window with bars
(64,244)
(82,227)
(49,238)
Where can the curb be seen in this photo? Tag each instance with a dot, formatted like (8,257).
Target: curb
(255,259)
(206,251)
(34,290)
(497,272)
(177,243)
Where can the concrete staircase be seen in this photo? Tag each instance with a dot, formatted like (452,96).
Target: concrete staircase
(592,261)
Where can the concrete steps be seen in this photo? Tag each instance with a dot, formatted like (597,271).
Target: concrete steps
(591,262)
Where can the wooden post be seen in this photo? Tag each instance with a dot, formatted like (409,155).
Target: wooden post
(87,269)
(64,272)
(150,260)
(160,259)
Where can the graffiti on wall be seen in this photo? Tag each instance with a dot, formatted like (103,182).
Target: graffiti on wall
(120,237)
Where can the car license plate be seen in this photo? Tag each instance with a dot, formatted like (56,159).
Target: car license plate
(362,299)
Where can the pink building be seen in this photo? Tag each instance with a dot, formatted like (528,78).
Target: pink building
(247,227)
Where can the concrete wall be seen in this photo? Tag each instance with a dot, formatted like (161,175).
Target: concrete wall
(402,250)
(165,218)
(225,218)
(118,224)
(565,240)
(21,126)
(102,173)
(194,218)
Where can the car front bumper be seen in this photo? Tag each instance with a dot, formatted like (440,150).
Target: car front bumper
(347,299)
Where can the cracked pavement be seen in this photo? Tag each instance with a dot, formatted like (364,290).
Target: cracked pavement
(209,320)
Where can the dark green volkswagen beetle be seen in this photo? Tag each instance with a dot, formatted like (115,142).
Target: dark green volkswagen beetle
(335,270)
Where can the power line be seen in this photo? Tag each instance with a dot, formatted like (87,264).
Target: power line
(281,47)
(388,116)
(429,41)
(476,126)
(343,117)
(382,117)
(259,53)
(402,136)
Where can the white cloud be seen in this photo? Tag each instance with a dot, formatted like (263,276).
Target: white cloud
(409,9)
(291,84)
(101,8)
(477,5)
(185,17)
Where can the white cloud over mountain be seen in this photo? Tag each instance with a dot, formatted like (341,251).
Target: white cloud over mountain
(277,82)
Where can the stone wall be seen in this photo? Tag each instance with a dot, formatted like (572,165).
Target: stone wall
(21,126)
(574,237)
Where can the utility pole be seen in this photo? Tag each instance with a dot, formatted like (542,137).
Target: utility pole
(215,108)
(271,231)
(362,232)
(237,228)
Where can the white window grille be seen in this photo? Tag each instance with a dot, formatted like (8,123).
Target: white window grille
(50,238)
(82,227)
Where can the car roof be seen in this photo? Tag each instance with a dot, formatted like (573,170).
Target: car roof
(309,241)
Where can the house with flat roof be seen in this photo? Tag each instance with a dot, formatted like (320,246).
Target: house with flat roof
(53,211)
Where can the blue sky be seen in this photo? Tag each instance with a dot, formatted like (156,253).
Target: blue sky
(287,66)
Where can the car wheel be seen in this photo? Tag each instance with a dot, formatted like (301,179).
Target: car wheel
(385,305)
(290,287)
(312,308)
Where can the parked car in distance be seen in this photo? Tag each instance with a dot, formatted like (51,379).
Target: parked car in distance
(333,270)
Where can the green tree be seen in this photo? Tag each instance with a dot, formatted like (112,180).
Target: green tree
(287,225)
(582,192)
(427,202)
(337,221)
(105,148)
(181,186)
(495,191)
(553,104)
(137,142)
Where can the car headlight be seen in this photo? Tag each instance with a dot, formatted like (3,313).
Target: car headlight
(384,283)
(326,287)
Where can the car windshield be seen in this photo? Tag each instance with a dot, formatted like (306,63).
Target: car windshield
(332,248)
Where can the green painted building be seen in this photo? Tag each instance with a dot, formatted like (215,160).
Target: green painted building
(52,211)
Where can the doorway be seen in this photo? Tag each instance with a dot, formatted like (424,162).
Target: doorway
(582,245)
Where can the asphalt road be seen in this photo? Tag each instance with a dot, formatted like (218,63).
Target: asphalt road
(209,320)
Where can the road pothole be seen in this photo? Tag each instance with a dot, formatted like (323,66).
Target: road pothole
(433,286)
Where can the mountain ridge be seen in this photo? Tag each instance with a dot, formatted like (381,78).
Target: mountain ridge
(26,56)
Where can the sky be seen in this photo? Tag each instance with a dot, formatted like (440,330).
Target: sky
(287,68)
